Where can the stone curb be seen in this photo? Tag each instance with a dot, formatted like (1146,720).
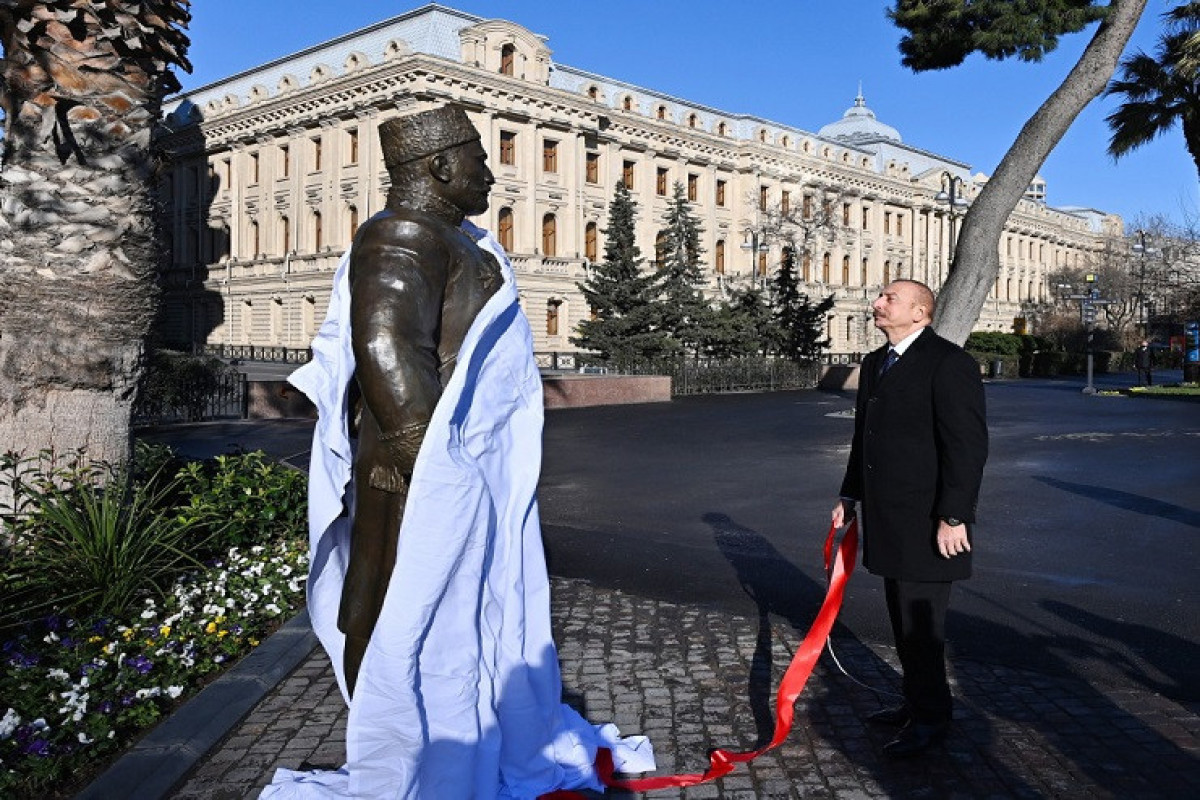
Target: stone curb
(155,764)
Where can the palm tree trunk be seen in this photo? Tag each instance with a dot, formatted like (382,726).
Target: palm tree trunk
(78,250)
(977,255)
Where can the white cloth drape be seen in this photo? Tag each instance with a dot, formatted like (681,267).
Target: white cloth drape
(459,692)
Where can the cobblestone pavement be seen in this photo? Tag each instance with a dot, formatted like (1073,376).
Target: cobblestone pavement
(693,679)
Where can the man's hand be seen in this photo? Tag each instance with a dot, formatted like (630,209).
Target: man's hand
(843,512)
(952,539)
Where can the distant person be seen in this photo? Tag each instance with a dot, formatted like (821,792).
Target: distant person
(916,463)
(1143,362)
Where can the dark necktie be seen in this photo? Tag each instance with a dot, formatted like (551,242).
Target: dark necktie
(891,358)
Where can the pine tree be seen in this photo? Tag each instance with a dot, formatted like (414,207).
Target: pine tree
(684,313)
(620,294)
(797,324)
(743,325)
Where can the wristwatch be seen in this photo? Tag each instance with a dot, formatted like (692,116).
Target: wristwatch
(953,522)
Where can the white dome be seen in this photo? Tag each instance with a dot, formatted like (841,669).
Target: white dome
(858,124)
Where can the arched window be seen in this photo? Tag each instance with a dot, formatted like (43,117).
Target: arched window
(863,281)
(825,268)
(552,317)
(719,255)
(549,235)
(353,218)
(590,244)
(722,129)
(887,272)
(849,329)
(507,59)
(318,233)
(285,227)
(627,103)
(693,120)
(762,262)
(660,249)
(255,241)
(505,229)
(593,93)
(661,113)
(845,270)
(807,267)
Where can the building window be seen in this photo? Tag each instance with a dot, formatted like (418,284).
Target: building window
(721,193)
(593,93)
(899,224)
(353,148)
(806,207)
(845,270)
(806,267)
(762,198)
(825,268)
(719,266)
(254,240)
(660,181)
(508,55)
(552,317)
(846,214)
(863,275)
(660,249)
(887,272)
(254,167)
(661,113)
(550,155)
(693,120)
(762,262)
(693,188)
(849,329)
(590,242)
(316,150)
(508,148)
(505,229)
(285,228)
(353,221)
(722,129)
(627,103)
(887,223)
(627,174)
(549,235)
(866,218)
(285,161)
(318,233)
(785,202)
(592,168)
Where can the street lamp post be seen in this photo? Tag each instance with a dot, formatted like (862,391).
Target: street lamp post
(756,242)
(951,195)
(1089,303)
(1144,251)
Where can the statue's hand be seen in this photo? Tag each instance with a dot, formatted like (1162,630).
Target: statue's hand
(402,447)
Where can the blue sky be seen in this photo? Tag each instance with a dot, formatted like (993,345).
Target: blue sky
(797,62)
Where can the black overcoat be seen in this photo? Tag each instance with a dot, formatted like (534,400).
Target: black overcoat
(920,443)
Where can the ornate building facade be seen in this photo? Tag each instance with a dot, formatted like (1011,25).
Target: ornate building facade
(273,170)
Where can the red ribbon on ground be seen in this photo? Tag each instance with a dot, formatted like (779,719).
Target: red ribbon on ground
(722,762)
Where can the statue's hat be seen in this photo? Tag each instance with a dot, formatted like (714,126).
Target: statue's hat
(406,139)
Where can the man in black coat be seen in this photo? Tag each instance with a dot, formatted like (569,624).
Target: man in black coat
(916,462)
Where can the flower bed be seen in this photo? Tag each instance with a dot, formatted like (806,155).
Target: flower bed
(77,690)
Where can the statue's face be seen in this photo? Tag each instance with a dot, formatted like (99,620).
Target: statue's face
(470,179)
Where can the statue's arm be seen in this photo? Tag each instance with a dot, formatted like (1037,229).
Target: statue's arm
(397,283)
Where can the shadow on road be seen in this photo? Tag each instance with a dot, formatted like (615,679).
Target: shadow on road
(1126,501)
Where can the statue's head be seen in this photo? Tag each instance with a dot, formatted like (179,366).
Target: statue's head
(438,149)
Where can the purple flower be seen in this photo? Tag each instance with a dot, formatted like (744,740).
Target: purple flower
(99,625)
(24,660)
(67,641)
(140,663)
(38,747)
(89,668)
(106,707)
(127,700)
(53,622)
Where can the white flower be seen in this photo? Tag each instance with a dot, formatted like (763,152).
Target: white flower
(174,691)
(39,724)
(51,638)
(142,694)
(273,609)
(9,724)
(59,674)
(149,613)
(84,738)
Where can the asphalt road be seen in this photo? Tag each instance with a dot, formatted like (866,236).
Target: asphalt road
(1086,549)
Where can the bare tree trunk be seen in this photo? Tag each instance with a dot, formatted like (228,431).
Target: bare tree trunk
(82,87)
(977,255)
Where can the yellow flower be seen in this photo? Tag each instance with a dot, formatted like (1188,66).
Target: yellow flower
(94,639)
(165,630)
(127,634)
(222,634)
(220,619)
(210,627)
(253,642)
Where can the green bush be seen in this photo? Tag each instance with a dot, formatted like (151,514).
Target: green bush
(1006,344)
(254,497)
(89,538)
(179,384)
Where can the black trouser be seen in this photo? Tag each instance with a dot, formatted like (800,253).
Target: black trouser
(918,613)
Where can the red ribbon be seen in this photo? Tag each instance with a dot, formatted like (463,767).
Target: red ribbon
(722,762)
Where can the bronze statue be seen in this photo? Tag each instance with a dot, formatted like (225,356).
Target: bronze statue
(417,282)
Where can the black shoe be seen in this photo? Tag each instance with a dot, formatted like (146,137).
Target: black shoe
(915,738)
(894,715)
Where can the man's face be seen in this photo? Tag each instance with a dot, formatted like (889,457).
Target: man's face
(897,310)
(470,179)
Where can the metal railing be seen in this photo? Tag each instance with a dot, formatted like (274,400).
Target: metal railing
(257,352)
(225,396)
